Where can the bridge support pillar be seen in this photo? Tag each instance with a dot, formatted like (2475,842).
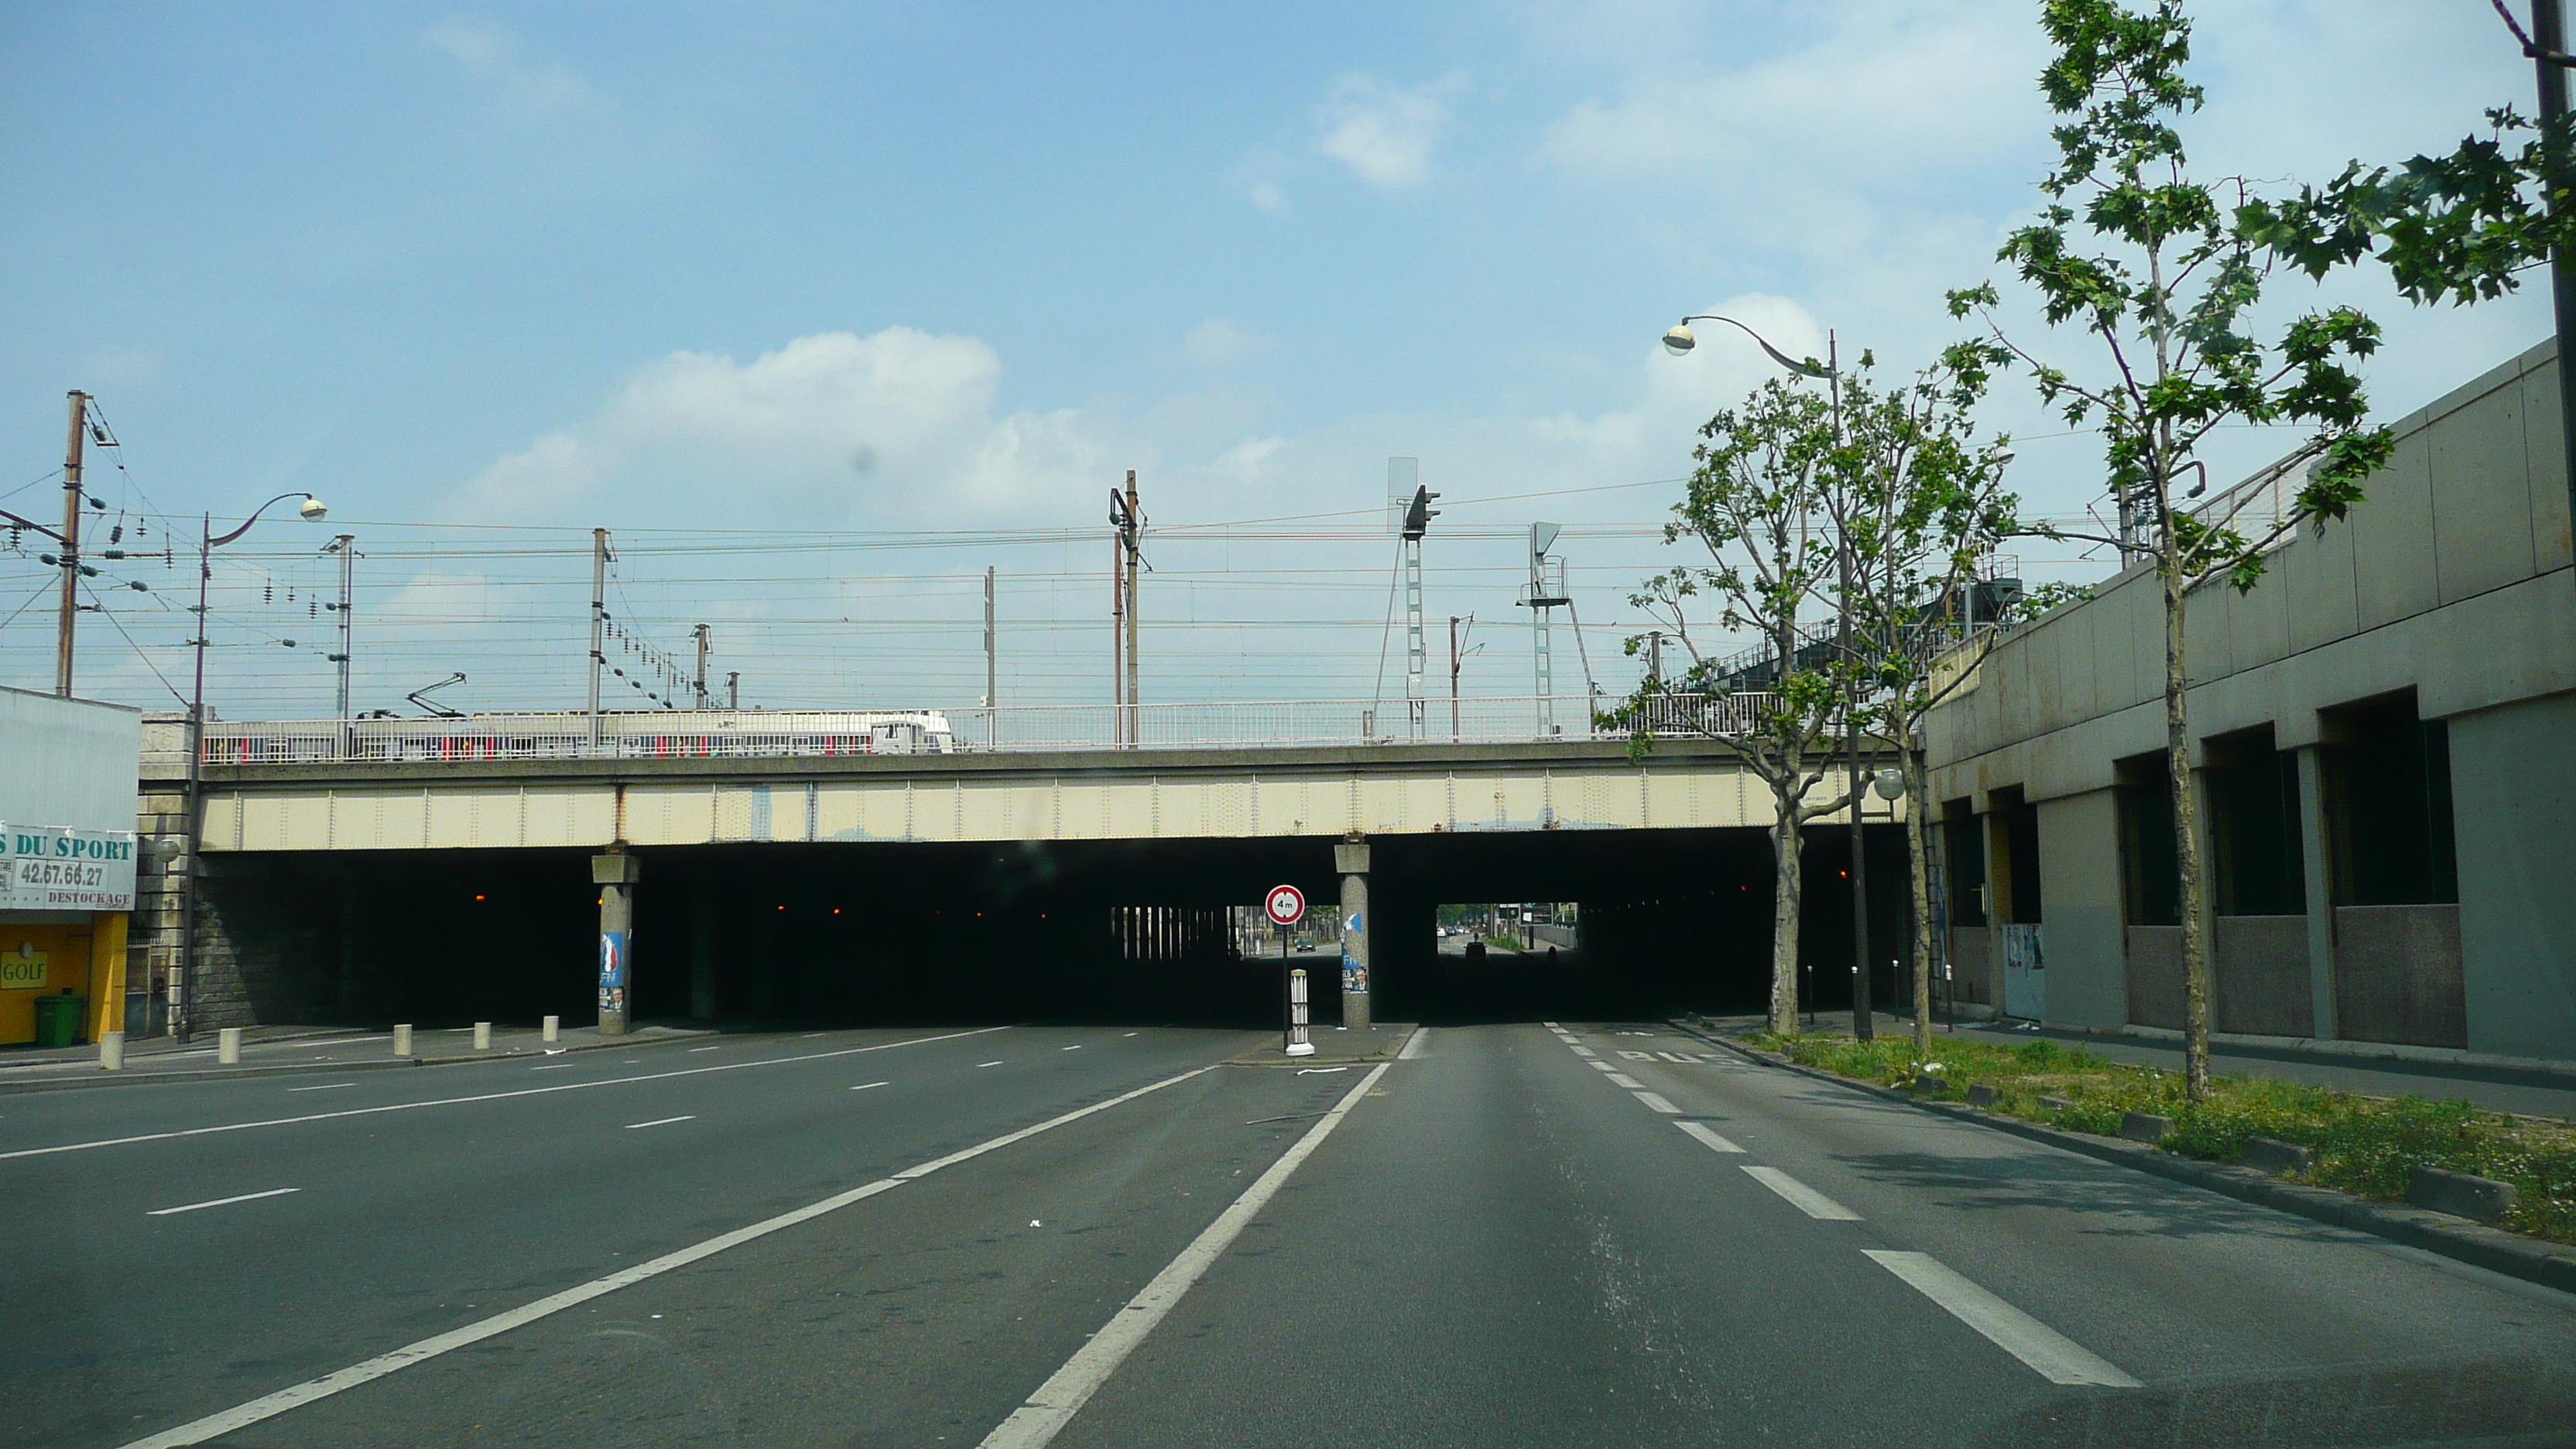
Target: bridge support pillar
(615,875)
(1351,859)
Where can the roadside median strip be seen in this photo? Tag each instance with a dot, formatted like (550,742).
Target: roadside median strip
(2486,1188)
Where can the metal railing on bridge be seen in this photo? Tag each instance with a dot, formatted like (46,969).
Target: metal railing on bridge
(751,734)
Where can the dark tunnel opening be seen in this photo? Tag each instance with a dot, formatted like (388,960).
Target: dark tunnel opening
(1125,931)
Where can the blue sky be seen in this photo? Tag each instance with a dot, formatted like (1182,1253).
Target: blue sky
(819,272)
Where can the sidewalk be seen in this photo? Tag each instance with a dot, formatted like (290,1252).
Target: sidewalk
(281,1050)
(2498,1089)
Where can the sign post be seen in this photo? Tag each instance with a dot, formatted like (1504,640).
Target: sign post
(1286,906)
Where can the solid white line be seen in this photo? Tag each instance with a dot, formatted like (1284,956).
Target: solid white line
(222,1202)
(1413,1044)
(325,1087)
(554,1066)
(269,1406)
(1659,1102)
(1622,1079)
(718,1046)
(1710,1139)
(488,1096)
(662,1121)
(2057,1358)
(863,1086)
(1047,1411)
(1809,1201)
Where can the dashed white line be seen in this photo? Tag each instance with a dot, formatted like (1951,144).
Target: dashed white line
(979,1066)
(1708,1137)
(865,1086)
(1129,1033)
(662,1121)
(1804,1198)
(325,1087)
(2056,1358)
(269,1406)
(222,1202)
(1659,1102)
(1583,1051)
(1622,1079)
(553,1066)
(716,1047)
(1602,1066)
(1077,1046)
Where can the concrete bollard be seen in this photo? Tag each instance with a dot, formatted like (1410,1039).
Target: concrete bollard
(482,1036)
(1983,1094)
(402,1040)
(2461,1194)
(554,1028)
(111,1051)
(2144,1126)
(2268,1154)
(228,1047)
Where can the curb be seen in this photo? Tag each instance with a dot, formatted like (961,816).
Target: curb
(2552,1265)
(94,1077)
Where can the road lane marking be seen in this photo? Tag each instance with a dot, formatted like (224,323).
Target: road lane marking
(864,1086)
(1037,1422)
(1806,1199)
(269,1406)
(1077,1046)
(2056,1358)
(222,1202)
(1636,1056)
(325,1087)
(553,1066)
(1130,1033)
(1551,1026)
(1622,1079)
(1659,1102)
(979,1066)
(487,1096)
(1684,1059)
(1583,1051)
(1413,1044)
(1603,1066)
(1708,1138)
(717,1046)
(662,1121)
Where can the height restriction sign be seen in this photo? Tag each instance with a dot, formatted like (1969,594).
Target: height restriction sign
(1286,905)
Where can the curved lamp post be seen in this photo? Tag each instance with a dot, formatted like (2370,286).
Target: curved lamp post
(312,511)
(1679,341)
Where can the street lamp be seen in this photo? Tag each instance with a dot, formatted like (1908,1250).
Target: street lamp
(311,511)
(1678,341)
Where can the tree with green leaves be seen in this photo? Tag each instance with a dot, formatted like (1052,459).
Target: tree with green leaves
(1756,502)
(2157,269)
(1918,503)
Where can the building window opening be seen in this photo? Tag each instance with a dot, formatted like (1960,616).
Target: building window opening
(1963,850)
(2258,865)
(2150,871)
(2388,806)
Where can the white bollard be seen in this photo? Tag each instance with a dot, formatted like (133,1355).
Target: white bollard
(554,1028)
(402,1040)
(482,1036)
(228,1047)
(111,1051)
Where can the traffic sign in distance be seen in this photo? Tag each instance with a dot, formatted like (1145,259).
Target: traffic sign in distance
(1286,905)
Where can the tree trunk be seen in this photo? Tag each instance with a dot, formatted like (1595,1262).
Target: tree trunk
(1786,894)
(2187,862)
(1919,898)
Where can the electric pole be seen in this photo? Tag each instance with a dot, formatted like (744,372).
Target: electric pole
(2549,40)
(1127,518)
(1135,608)
(701,633)
(733,690)
(992,682)
(598,624)
(71,546)
(346,546)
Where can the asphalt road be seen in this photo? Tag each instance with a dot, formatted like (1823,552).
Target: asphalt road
(1505,1238)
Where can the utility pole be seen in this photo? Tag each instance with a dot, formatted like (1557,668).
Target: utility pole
(1127,517)
(598,624)
(2549,40)
(346,546)
(701,633)
(1864,1024)
(733,690)
(1135,609)
(992,680)
(1454,736)
(71,545)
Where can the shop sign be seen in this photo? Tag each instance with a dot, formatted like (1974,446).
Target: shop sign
(23,969)
(49,868)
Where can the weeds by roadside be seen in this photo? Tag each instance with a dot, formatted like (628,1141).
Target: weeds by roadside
(2368,1146)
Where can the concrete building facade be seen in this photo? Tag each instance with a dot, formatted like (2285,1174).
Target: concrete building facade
(2384,745)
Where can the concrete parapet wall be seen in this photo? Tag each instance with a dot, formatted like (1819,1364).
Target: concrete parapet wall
(2397,975)
(2260,973)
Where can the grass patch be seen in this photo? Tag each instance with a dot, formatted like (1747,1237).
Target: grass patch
(2369,1146)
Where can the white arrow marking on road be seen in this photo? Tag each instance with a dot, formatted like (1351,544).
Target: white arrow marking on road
(1636,1056)
(222,1201)
(2057,1358)
(1806,1199)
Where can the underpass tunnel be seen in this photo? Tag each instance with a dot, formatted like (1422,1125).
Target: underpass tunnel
(1128,931)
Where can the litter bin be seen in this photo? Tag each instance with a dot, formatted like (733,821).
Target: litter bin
(58,1020)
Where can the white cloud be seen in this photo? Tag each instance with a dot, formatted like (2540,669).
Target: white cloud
(1268,197)
(830,428)
(1384,134)
(1218,341)
(493,53)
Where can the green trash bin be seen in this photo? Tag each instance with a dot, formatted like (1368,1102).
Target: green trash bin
(58,1020)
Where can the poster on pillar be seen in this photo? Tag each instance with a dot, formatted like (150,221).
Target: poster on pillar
(612,972)
(1354,967)
(50,868)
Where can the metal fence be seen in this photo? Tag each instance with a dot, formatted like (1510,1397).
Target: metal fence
(750,734)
